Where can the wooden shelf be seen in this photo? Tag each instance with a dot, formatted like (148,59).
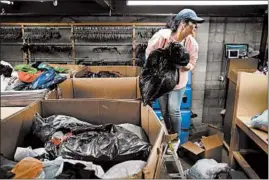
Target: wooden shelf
(246,167)
(259,137)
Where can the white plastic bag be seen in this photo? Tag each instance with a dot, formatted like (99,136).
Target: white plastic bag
(260,121)
(125,169)
(22,153)
(206,169)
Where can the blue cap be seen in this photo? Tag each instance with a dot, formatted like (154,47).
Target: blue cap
(190,15)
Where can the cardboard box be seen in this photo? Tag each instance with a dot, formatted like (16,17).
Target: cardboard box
(95,111)
(110,88)
(72,69)
(247,65)
(212,146)
(126,71)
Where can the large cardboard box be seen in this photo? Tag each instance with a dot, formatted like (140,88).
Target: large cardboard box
(96,111)
(71,68)
(110,88)
(212,146)
(126,71)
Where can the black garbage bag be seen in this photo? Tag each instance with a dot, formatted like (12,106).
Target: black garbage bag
(100,144)
(160,74)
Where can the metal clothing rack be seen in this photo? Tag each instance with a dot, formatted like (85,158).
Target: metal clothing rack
(72,26)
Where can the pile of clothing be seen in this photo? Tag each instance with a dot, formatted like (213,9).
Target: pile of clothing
(29,77)
(80,150)
(103,74)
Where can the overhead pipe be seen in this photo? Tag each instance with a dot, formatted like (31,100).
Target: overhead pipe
(127,14)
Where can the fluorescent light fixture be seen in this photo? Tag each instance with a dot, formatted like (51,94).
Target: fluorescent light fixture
(195,3)
(7,2)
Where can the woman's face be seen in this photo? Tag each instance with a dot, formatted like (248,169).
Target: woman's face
(189,28)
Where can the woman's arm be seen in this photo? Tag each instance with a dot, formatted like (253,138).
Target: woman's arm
(192,48)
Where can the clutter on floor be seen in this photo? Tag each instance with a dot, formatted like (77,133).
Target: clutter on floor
(207,169)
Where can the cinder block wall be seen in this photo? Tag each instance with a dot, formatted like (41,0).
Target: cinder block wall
(229,30)
(208,91)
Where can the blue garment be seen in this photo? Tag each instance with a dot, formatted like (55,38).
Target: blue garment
(170,108)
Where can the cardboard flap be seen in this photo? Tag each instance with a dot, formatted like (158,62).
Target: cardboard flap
(211,142)
(192,148)
(169,137)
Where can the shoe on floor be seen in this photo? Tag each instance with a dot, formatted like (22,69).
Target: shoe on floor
(175,144)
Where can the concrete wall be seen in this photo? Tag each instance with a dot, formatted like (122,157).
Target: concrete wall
(208,91)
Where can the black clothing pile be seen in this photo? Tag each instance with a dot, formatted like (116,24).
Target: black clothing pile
(160,74)
(105,145)
(103,74)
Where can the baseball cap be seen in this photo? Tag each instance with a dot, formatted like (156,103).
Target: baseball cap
(189,14)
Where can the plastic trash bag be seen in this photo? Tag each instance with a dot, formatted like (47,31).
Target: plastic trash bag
(260,121)
(22,153)
(136,130)
(160,74)
(206,169)
(102,144)
(125,169)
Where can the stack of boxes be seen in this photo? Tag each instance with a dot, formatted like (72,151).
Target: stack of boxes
(185,111)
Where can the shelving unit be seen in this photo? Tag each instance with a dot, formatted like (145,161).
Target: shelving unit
(74,43)
(245,109)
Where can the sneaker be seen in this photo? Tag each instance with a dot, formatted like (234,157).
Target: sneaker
(175,145)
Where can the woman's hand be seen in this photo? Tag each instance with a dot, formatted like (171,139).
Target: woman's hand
(186,68)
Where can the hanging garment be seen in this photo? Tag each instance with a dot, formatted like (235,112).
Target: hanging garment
(28,168)
(26,68)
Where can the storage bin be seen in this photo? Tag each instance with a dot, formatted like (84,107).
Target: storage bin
(184,136)
(186,119)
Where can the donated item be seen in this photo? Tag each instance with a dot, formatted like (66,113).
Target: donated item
(28,168)
(53,168)
(99,172)
(6,64)
(5,70)
(206,169)
(125,170)
(76,171)
(60,69)
(160,74)
(260,121)
(26,68)
(27,77)
(102,144)
(212,148)
(103,74)
(48,79)
(21,86)
(6,174)
(22,153)
(136,130)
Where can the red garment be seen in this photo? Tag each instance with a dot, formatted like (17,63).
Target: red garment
(28,78)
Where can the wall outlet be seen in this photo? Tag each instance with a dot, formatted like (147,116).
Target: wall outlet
(221,78)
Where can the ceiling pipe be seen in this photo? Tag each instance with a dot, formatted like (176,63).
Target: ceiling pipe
(127,14)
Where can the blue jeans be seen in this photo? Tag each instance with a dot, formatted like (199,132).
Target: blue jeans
(170,108)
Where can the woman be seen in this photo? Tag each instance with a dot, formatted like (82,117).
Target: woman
(180,28)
